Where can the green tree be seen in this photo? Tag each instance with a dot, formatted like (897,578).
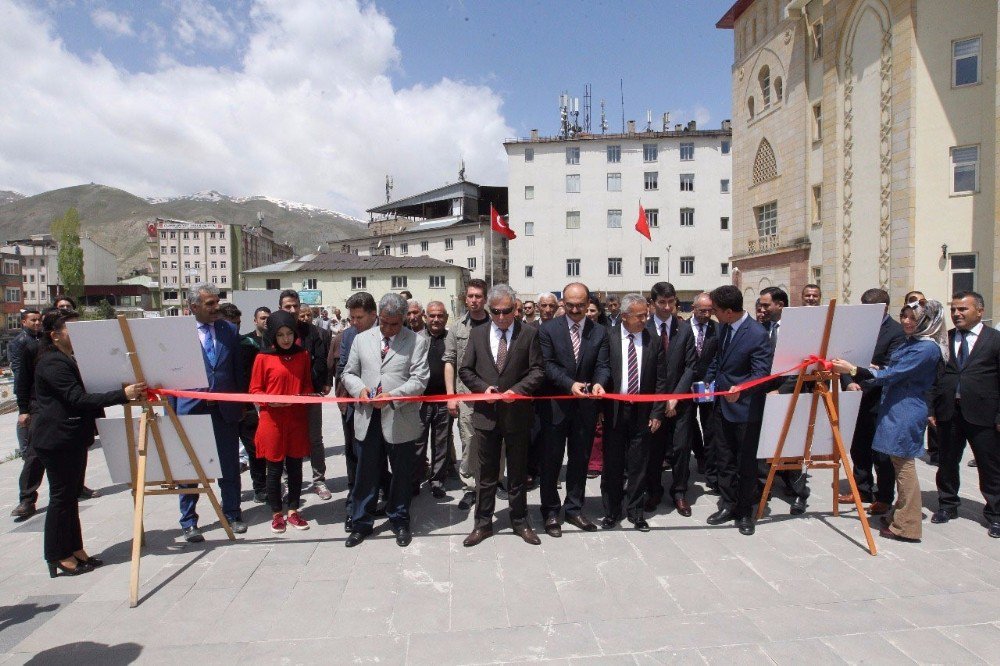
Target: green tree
(66,231)
(105,310)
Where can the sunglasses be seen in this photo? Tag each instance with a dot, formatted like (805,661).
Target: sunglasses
(503,311)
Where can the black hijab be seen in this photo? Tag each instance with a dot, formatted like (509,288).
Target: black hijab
(275,321)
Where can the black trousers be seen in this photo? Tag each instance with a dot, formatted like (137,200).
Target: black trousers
(65,469)
(438,429)
(737,449)
(32,469)
(870,465)
(373,451)
(626,457)
(490,444)
(273,482)
(574,438)
(537,446)
(985,443)
(703,438)
(258,466)
(679,452)
(661,443)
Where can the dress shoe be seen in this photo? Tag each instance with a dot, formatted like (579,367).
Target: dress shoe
(582,522)
(682,506)
(355,538)
(848,498)
(91,561)
(193,534)
(437,492)
(531,483)
(593,474)
(552,527)
(502,494)
(878,508)
(798,506)
(994,530)
(886,533)
(467,501)
(746,526)
(608,523)
(24,510)
(59,569)
(403,536)
(477,536)
(641,525)
(238,526)
(944,515)
(528,534)
(973,463)
(712,489)
(720,516)
(88,493)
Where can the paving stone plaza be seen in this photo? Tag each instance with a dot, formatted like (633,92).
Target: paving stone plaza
(802,590)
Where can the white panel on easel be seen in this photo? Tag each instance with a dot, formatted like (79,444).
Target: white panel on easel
(248,300)
(775,409)
(168,349)
(852,336)
(199,431)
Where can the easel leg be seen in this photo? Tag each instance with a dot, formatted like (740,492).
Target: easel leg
(841,454)
(139,484)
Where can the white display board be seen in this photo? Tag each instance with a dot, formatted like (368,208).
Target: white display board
(199,431)
(248,300)
(775,409)
(852,337)
(168,349)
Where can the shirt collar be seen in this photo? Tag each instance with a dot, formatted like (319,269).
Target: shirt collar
(735,326)
(625,334)
(668,321)
(976,330)
(570,322)
(495,330)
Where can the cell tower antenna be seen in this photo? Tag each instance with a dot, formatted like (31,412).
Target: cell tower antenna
(621,88)
(604,119)
(587,100)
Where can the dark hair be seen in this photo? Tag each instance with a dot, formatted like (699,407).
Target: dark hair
(662,290)
(812,286)
(230,311)
(906,309)
(602,318)
(612,299)
(72,303)
(976,296)
(476,283)
(262,308)
(27,311)
(727,297)
(288,293)
(523,303)
(362,300)
(911,293)
(54,320)
(875,295)
(777,295)
(406,293)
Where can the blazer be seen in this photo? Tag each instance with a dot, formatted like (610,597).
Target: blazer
(227,375)
(681,354)
(402,372)
(747,357)
(980,381)
(708,348)
(65,413)
(522,373)
(562,369)
(652,377)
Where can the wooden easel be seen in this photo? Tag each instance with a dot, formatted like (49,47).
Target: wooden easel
(141,486)
(830,397)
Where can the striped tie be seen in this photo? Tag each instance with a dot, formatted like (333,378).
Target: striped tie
(502,350)
(699,342)
(574,332)
(385,350)
(633,366)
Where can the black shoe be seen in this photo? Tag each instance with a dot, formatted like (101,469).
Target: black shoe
(502,494)
(403,536)
(88,493)
(973,463)
(712,489)
(349,525)
(91,561)
(531,483)
(355,538)
(608,523)
(57,569)
(641,525)
(467,501)
(438,492)
(193,534)
(745,525)
(798,506)
(260,497)
(24,510)
(238,526)
(994,530)
(720,516)
(944,515)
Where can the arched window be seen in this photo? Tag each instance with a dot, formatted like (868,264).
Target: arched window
(765,166)
(750,108)
(778,89)
(764,79)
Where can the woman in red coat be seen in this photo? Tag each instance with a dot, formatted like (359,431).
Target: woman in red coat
(283,434)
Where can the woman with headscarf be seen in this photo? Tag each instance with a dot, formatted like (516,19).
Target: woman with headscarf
(902,413)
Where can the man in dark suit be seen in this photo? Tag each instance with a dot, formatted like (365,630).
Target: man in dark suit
(744,355)
(638,366)
(22,351)
(503,358)
(706,342)
(672,441)
(220,349)
(870,465)
(575,352)
(969,409)
(613,309)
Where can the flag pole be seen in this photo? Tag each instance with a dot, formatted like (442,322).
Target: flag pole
(491,244)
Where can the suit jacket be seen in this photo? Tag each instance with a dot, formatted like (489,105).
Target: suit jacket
(747,357)
(562,369)
(708,349)
(522,373)
(225,376)
(402,372)
(66,413)
(681,354)
(652,377)
(980,381)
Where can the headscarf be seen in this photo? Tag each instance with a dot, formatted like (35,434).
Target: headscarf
(930,325)
(275,321)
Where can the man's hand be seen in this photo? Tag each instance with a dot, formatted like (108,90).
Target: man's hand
(364,395)
(654,425)
(733,395)
(854,386)
(23,420)
(453,407)
(932,422)
(579,389)
(672,406)
(596,391)
(325,391)
(492,389)
(510,393)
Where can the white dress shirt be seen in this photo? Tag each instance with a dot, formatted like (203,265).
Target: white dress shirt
(971,336)
(495,338)
(659,324)
(202,333)
(638,356)
(735,326)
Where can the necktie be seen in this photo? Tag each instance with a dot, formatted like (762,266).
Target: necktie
(208,342)
(963,349)
(664,338)
(774,331)
(726,333)
(385,347)
(633,366)
(502,350)
(699,342)
(574,333)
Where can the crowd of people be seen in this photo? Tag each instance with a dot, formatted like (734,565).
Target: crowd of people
(574,346)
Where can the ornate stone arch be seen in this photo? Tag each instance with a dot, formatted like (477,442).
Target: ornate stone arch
(765,164)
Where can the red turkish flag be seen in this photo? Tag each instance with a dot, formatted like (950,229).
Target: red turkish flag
(641,225)
(151,229)
(499,225)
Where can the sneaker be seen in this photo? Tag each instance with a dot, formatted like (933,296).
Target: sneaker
(296,521)
(278,523)
(320,489)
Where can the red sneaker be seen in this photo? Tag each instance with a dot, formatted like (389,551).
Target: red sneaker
(296,521)
(278,524)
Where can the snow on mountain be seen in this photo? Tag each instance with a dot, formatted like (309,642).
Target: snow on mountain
(215,196)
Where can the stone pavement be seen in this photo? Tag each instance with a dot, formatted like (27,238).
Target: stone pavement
(803,590)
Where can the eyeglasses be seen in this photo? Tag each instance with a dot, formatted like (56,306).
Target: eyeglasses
(503,311)
(574,306)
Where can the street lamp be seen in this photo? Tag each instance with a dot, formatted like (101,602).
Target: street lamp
(668,262)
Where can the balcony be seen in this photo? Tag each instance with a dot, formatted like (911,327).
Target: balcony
(762,245)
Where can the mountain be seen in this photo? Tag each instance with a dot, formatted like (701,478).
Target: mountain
(117,219)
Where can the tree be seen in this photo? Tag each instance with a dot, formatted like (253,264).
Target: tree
(66,231)
(105,310)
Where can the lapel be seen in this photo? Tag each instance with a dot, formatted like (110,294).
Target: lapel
(514,337)
(616,355)
(221,350)
(736,337)
(980,343)
(393,345)
(648,355)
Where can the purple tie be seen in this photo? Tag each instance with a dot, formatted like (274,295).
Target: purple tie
(633,366)
(502,350)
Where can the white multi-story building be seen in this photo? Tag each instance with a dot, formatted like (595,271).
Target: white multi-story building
(40,270)
(574,203)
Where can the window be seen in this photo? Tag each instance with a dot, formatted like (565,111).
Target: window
(817,207)
(222,265)
(529,192)
(436,282)
(764,81)
(687,217)
(197,265)
(614,182)
(12,294)
(470,241)
(529,228)
(211,249)
(222,249)
(222,235)
(424,246)
(187,249)
(687,182)
(529,271)
(687,151)
(817,40)
(309,283)
(965,61)
(573,183)
(725,146)
(472,263)
(572,156)
(185,236)
(211,235)
(963,272)
(765,165)
(163,235)
(615,218)
(750,107)
(359,283)
(724,223)
(173,264)
(448,244)
(215,265)
(187,264)
(614,265)
(163,264)
(614,154)
(173,235)
(965,169)
(651,180)
(653,217)
(687,265)
(817,129)
(31,278)
(724,186)
(529,154)
(779,89)
(572,219)
(572,268)
(724,268)
(652,265)
(197,249)
(649,152)
(767,219)
(41,278)
(398,281)
(404,248)
(194,235)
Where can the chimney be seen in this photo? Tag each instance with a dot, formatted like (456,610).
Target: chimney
(677,127)
(727,125)
(692,126)
(534,135)
(631,127)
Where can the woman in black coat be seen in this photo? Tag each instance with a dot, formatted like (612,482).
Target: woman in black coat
(62,429)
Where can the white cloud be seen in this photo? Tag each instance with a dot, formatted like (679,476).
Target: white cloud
(199,24)
(119,25)
(311,115)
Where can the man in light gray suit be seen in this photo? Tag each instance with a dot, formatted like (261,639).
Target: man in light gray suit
(385,361)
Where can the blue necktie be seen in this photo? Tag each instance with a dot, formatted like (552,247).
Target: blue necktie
(208,344)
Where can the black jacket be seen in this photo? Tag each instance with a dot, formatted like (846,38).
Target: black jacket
(980,379)
(22,351)
(562,369)
(681,357)
(652,377)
